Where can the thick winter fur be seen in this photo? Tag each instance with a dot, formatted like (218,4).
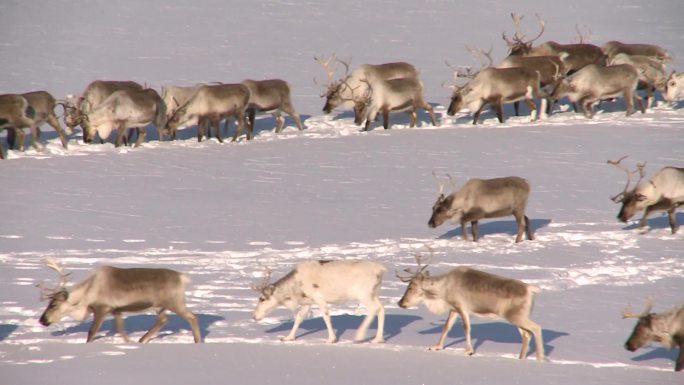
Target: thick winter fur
(323,283)
(484,198)
(272,95)
(666,328)
(111,290)
(464,291)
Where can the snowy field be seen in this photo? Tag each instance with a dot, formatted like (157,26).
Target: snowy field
(223,213)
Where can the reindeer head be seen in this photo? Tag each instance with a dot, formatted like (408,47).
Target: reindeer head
(335,89)
(415,277)
(643,330)
(631,200)
(518,46)
(58,296)
(72,114)
(267,300)
(441,210)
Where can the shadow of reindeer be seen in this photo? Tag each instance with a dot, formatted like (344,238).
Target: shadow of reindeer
(496,227)
(142,323)
(394,323)
(656,222)
(501,332)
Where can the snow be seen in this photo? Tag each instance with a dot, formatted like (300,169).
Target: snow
(223,213)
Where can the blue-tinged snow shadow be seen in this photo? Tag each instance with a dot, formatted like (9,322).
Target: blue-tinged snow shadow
(394,323)
(500,332)
(657,222)
(142,323)
(656,353)
(496,227)
(6,330)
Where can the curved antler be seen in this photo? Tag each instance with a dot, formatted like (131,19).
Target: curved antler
(46,293)
(264,282)
(639,168)
(421,266)
(627,313)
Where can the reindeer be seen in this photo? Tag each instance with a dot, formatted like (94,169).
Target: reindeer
(651,73)
(464,291)
(112,290)
(663,191)
(594,83)
(574,56)
(15,114)
(551,71)
(94,94)
(127,108)
(483,198)
(323,283)
(270,96)
(654,52)
(354,85)
(666,328)
(209,105)
(43,104)
(174,97)
(674,86)
(405,94)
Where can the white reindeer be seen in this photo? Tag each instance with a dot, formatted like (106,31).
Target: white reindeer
(323,283)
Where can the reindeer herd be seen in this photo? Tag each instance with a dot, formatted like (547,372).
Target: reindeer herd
(584,73)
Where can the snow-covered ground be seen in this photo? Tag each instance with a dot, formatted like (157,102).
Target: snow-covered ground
(223,213)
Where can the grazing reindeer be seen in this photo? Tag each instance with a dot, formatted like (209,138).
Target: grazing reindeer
(322,283)
(613,48)
(405,94)
(208,106)
(464,291)
(551,71)
(483,198)
(270,96)
(113,290)
(674,86)
(15,114)
(95,93)
(497,86)
(664,191)
(666,328)
(174,97)
(594,83)
(344,90)
(651,73)
(574,56)
(126,108)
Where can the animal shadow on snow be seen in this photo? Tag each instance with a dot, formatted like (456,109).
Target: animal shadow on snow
(6,330)
(657,222)
(263,122)
(500,332)
(656,353)
(400,118)
(345,322)
(496,227)
(141,323)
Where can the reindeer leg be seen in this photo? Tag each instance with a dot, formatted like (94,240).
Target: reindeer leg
(216,124)
(498,106)
(679,364)
(142,132)
(120,133)
(474,230)
(644,218)
(52,121)
(629,99)
(464,230)
(536,331)
(431,113)
(520,220)
(98,317)
(192,320)
(11,138)
(445,330)
(385,119)
(533,109)
(289,109)
(299,317)
(466,330)
(161,320)
(516,107)
(280,121)
(525,342)
(119,325)
(671,219)
(476,117)
(332,338)
(528,229)
(413,118)
(374,307)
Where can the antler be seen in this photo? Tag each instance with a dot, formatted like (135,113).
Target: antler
(579,32)
(46,293)
(519,37)
(627,313)
(440,185)
(326,67)
(481,55)
(639,168)
(419,269)
(264,282)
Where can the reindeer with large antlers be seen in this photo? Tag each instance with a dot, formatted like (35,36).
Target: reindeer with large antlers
(351,87)
(111,290)
(666,328)
(464,291)
(323,283)
(574,56)
(496,86)
(663,191)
